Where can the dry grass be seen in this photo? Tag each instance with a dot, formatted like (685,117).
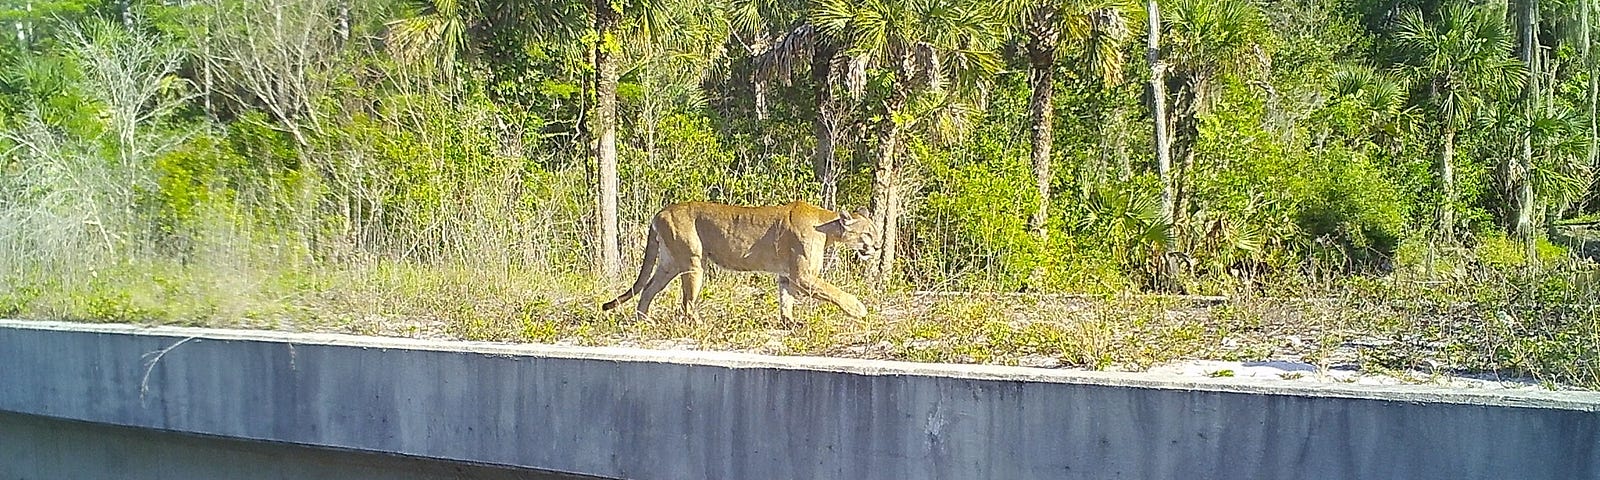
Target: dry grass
(1556,345)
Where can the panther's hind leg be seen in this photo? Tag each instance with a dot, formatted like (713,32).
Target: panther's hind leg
(663,275)
(691,280)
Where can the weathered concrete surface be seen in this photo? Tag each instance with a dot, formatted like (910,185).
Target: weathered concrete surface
(678,415)
(43,448)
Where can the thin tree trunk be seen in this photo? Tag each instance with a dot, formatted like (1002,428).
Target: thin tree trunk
(1119,141)
(1594,84)
(1522,172)
(760,90)
(822,161)
(205,71)
(1185,134)
(605,134)
(25,27)
(1041,61)
(342,23)
(126,6)
(1447,176)
(1158,98)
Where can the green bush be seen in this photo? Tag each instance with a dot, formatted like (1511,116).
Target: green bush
(1356,209)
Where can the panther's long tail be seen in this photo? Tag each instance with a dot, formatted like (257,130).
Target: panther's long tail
(652,247)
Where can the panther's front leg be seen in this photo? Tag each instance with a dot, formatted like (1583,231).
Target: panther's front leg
(820,288)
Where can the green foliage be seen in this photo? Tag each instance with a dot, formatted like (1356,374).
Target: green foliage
(976,211)
(447,137)
(1355,207)
(1126,222)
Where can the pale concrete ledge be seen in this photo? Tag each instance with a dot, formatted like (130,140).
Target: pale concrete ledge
(629,413)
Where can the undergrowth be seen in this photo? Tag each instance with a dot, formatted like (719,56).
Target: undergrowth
(1511,327)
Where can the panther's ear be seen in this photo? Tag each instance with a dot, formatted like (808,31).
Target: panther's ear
(862,211)
(846,219)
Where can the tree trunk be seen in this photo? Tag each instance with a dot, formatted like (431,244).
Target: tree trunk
(885,198)
(1041,61)
(1447,176)
(1594,86)
(25,26)
(885,189)
(206,82)
(1185,135)
(822,162)
(1522,172)
(1116,139)
(760,91)
(605,134)
(342,23)
(126,7)
(1182,194)
(1158,109)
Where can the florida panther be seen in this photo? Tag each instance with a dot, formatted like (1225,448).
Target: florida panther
(787,240)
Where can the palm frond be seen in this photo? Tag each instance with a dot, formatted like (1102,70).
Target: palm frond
(1352,80)
(651,18)
(431,39)
(777,62)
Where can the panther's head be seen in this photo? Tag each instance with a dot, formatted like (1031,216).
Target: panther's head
(860,234)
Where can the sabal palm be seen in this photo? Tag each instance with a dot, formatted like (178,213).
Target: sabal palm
(1461,58)
(1558,172)
(1573,22)
(433,38)
(917,46)
(1206,42)
(1096,31)
(441,33)
(438,34)
(1561,171)
(1380,97)
(796,41)
(670,64)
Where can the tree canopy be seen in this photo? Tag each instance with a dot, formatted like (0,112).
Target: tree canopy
(1370,136)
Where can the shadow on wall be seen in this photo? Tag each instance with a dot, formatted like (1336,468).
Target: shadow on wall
(34,447)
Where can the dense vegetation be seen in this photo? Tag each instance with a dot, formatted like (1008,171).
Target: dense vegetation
(494,163)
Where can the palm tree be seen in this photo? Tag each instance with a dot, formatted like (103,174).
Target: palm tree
(611,17)
(669,67)
(1460,57)
(433,39)
(1207,43)
(918,46)
(607,19)
(1520,172)
(438,35)
(1560,172)
(444,32)
(1381,97)
(1158,107)
(1593,67)
(1578,28)
(1097,29)
(797,41)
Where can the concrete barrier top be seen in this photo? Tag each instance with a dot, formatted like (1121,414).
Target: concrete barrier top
(1524,398)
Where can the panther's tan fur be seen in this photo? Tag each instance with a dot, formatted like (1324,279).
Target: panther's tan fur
(787,240)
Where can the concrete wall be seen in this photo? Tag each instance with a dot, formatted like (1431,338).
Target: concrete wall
(43,448)
(627,413)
